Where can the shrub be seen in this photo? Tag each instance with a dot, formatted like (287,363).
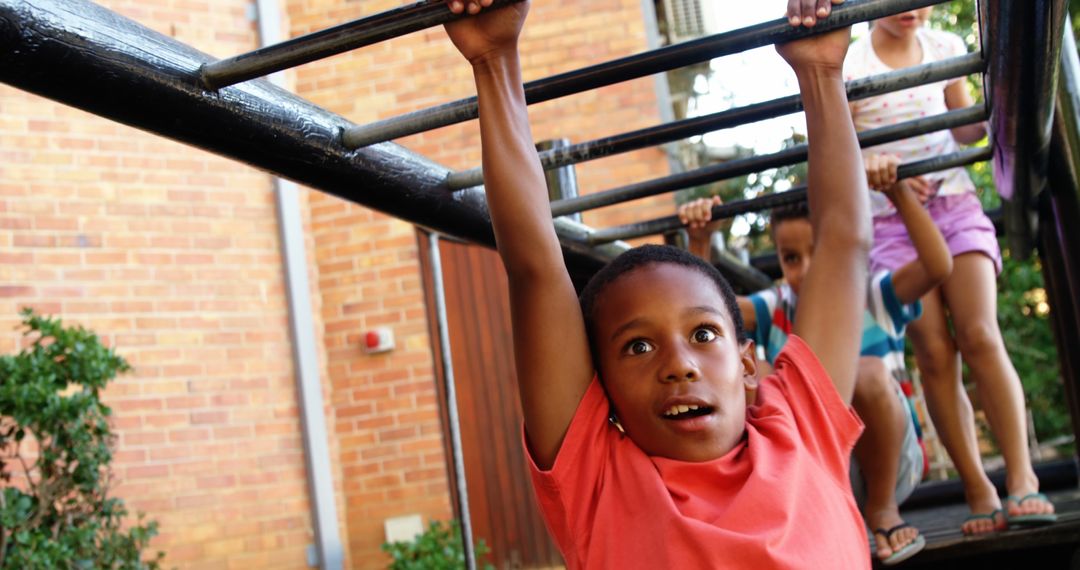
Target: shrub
(440,547)
(55,449)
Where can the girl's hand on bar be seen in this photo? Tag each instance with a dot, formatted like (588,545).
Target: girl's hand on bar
(881,170)
(489,34)
(808,12)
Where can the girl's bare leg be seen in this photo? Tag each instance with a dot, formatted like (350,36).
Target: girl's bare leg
(971,294)
(950,409)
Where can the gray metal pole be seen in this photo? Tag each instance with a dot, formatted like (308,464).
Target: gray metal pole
(795,195)
(633,67)
(676,130)
(747,165)
(328,42)
(331,555)
(451,400)
(562,181)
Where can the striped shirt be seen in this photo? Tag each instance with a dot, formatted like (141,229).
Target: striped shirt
(884,322)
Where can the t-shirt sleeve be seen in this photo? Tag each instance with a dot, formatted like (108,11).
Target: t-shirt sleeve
(888,311)
(567,491)
(826,425)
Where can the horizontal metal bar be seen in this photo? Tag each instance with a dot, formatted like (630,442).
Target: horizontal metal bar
(760,163)
(633,67)
(739,274)
(331,41)
(857,89)
(83,55)
(793,196)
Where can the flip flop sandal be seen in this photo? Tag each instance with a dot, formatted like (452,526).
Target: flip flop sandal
(1032,519)
(991,516)
(910,549)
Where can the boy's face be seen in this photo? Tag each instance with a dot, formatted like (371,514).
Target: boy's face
(905,23)
(671,364)
(794,243)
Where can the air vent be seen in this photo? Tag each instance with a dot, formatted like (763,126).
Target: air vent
(689,19)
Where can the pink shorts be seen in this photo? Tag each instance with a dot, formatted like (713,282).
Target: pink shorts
(959,217)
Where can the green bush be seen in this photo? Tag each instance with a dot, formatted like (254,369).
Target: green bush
(55,449)
(440,547)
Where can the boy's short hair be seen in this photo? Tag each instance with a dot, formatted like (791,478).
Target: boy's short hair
(795,211)
(645,255)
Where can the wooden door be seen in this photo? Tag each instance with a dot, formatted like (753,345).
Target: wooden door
(501,499)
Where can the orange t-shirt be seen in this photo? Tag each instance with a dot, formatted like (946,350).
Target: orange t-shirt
(780,499)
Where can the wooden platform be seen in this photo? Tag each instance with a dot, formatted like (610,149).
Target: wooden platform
(1051,547)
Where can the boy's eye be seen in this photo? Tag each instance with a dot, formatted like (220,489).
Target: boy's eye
(703,334)
(638,347)
(791,259)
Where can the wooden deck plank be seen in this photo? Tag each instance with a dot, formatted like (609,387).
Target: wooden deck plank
(1049,547)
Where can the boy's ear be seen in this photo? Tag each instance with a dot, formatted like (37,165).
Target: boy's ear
(748,358)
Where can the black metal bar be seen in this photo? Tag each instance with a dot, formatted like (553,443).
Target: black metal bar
(633,67)
(747,165)
(660,134)
(1023,45)
(741,275)
(83,55)
(331,41)
(795,195)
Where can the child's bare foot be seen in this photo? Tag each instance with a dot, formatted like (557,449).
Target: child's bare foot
(1028,508)
(892,535)
(986,514)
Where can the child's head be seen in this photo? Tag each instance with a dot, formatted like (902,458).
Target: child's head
(794,239)
(904,24)
(668,342)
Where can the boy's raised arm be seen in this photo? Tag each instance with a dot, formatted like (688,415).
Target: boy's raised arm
(551,351)
(831,300)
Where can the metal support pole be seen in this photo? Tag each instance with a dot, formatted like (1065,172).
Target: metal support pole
(451,401)
(633,67)
(561,182)
(795,195)
(1059,228)
(1023,42)
(677,130)
(747,165)
(328,546)
(332,41)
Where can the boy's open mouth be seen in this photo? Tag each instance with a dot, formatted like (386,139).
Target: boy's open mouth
(686,411)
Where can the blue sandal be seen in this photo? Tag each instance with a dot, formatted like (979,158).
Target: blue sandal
(992,516)
(903,553)
(1032,519)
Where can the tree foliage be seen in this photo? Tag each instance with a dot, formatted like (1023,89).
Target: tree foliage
(55,449)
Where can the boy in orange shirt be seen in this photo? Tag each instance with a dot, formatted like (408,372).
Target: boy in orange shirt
(644,452)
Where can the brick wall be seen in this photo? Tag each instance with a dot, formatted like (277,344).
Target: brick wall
(172,255)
